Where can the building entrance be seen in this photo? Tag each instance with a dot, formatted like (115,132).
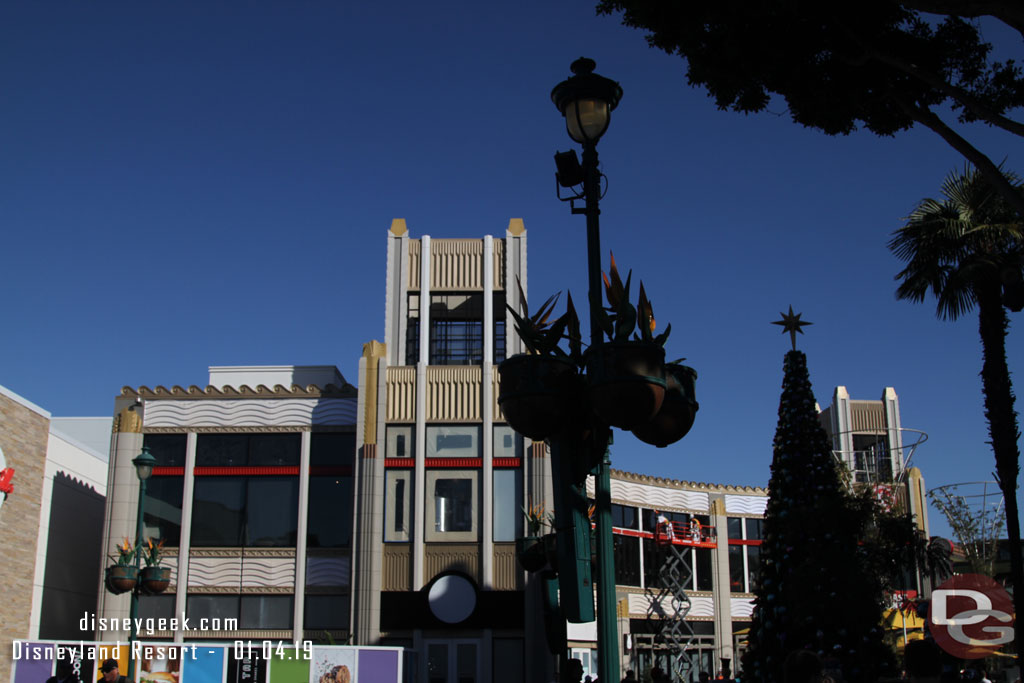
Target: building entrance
(453,661)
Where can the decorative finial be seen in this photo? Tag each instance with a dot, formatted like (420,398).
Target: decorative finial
(582,66)
(792,324)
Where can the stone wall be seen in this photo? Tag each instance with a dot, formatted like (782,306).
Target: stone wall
(23,437)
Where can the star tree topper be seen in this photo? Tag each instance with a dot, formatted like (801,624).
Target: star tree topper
(791,323)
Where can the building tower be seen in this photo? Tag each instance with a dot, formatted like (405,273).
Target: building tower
(442,480)
(869,440)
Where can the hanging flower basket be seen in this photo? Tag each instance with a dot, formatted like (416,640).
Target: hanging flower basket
(626,382)
(530,553)
(678,410)
(156,579)
(120,579)
(534,393)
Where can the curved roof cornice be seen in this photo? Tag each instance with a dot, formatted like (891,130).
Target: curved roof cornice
(244,391)
(688,485)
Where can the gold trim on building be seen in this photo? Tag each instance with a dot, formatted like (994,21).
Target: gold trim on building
(373,351)
(128,421)
(398,227)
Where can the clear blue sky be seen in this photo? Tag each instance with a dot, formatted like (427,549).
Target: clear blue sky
(210,183)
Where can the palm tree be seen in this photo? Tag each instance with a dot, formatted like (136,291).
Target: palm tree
(966,249)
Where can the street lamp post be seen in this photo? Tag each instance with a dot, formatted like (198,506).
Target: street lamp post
(586,100)
(144,463)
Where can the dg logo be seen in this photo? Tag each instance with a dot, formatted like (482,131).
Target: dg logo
(971,616)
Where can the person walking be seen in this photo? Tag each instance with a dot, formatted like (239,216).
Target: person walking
(111,672)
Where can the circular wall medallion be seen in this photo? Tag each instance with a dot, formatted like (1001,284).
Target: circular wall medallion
(452,598)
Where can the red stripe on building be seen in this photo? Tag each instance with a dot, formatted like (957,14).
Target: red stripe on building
(243,471)
(169,471)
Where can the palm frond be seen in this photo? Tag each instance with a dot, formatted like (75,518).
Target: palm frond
(952,244)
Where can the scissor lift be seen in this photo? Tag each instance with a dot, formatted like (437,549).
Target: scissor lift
(673,541)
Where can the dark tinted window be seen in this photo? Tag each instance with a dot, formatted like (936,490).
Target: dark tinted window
(326,612)
(218,511)
(265,611)
(332,449)
(736,583)
(249,511)
(705,576)
(220,450)
(274,449)
(735,527)
(156,606)
(329,519)
(627,560)
(753,565)
(168,449)
(211,607)
(163,508)
(229,450)
(272,511)
(651,518)
(754,529)
(624,516)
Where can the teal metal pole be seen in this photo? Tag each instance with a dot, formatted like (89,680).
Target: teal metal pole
(607,620)
(133,635)
(607,615)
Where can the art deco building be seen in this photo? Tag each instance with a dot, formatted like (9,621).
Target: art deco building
(295,507)
(442,480)
(251,495)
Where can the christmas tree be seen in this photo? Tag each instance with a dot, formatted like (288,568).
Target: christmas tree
(817,589)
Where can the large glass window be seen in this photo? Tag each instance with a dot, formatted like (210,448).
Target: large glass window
(625,516)
(251,611)
(218,511)
(702,568)
(456,328)
(744,556)
(209,607)
(162,520)
(156,606)
(168,449)
(329,513)
(226,450)
(452,505)
(245,511)
(627,560)
(397,504)
(700,559)
(326,612)
(265,611)
(329,516)
(508,503)
(272,514)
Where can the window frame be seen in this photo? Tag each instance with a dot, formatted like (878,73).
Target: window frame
(391,477)
(431,535)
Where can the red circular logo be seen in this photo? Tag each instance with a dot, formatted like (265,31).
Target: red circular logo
(971,616)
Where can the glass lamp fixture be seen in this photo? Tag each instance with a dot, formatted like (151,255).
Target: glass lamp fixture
(144,463)
(586,100)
